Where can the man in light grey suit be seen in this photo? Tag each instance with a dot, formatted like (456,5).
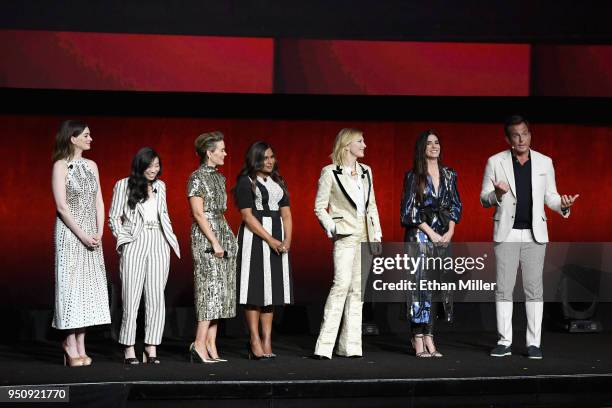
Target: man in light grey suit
(518,182)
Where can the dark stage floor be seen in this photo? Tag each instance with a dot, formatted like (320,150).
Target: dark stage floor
(576,367)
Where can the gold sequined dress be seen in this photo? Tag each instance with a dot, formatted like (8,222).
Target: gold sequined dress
(81,292)
(214,278)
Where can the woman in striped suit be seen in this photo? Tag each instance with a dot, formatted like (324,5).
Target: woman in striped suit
(139,220)
(264,239)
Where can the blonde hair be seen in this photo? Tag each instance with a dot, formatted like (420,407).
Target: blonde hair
(207,142)
(343,139)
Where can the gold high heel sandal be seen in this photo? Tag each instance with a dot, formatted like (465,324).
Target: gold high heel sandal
(86,360)
(72,361)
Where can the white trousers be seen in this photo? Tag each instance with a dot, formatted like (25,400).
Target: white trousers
(344,300)
(519,249)
(144,264)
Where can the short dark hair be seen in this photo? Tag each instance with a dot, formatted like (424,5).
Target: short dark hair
(513,121)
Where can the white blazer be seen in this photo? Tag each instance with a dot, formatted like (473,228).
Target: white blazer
(335,202)
(543,191)
(127,223)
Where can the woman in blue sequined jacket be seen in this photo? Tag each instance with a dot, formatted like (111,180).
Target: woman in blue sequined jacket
(429,211)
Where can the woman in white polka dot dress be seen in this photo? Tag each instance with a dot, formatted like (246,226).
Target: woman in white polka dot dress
(81,293)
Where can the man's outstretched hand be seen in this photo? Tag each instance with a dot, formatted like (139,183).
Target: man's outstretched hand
(568,200)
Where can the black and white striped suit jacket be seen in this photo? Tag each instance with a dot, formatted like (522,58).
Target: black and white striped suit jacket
(126,223)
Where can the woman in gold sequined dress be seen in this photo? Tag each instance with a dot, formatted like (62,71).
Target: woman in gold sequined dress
(213,247)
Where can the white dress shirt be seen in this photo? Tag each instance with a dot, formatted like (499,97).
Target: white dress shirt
(357,183)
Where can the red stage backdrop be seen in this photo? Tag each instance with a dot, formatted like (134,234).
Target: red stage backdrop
(135,62)
(572,70)
(402,68)
(181,63)
(27,211)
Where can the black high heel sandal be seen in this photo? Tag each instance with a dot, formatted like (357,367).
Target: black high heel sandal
(252,356)
(146,358)
(130,360)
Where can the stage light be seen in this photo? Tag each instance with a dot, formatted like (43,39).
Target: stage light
(580,283)
(369,329)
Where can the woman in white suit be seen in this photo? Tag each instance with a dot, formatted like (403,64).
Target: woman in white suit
(139,220)
(346,208)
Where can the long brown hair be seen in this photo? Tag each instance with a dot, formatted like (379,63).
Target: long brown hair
(64,149)
(419,166)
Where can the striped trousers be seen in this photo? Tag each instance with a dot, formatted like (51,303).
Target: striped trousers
(144,264)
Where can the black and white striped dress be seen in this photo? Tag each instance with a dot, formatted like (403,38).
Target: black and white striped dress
(264,278)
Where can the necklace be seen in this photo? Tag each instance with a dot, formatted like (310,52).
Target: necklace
(353,170)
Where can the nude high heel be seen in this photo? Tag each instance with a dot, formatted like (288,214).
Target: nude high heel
(434,352)
(424,353)
(71,361)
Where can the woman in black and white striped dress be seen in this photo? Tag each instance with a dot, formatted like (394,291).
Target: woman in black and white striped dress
(139,219)
(264,239)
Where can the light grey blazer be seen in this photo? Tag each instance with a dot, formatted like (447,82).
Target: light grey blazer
(127,223)
(543,191)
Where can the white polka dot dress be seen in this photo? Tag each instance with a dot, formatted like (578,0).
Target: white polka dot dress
(81,293)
